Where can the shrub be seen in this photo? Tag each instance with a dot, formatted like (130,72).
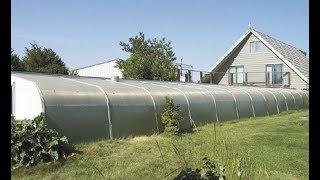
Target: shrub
(171,116)
(32,142)
(213,171)
(188,173)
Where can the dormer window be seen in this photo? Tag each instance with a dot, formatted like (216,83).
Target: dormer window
(255,46)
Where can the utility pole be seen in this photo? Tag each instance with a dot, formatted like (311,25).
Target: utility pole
(181,66)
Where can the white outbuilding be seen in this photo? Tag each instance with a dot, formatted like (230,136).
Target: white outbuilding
(105,69)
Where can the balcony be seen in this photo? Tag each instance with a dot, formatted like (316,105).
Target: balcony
(265,79)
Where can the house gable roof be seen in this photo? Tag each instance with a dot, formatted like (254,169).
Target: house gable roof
(295,56)
(290,55)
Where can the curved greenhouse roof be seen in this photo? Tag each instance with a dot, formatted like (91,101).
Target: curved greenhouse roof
(86,107)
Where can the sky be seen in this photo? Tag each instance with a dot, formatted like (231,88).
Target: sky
(88,32)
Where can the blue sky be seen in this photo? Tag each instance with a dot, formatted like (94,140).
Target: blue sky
(88,32)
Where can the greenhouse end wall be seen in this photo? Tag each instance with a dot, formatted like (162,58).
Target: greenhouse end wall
(85,108)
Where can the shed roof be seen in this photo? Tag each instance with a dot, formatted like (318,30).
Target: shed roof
(117,59)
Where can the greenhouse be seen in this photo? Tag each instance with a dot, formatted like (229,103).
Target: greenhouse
(90,108)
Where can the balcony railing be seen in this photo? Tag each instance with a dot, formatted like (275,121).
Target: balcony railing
(268,79)
(265,79)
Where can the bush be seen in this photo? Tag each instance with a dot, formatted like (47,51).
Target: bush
(32,142)
(213,171)
(171,116)
(188,173)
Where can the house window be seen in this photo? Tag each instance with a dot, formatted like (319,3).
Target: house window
(237,74)
(275,73)
(255,46)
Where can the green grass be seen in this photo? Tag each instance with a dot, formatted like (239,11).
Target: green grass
(274,147)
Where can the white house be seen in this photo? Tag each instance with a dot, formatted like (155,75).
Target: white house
(259,59)
(105,69)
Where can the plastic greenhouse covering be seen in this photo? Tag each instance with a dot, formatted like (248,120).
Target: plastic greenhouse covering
(91,108)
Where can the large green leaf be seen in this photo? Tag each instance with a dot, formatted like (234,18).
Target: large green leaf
(32,142)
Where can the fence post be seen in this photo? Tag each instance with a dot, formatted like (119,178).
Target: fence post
(200,76)
(246,77)
(189,76)
(178,74)
(230,79)
(267,79)
(289,79)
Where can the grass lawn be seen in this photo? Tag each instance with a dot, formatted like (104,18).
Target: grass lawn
(274,147)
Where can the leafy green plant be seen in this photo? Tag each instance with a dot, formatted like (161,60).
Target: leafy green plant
(212,171)
(171,116)
(32,142)
(188,173)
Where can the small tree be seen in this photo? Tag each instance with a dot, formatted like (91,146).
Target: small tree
(16,63)
(149,59)
(43,60)
(171,116)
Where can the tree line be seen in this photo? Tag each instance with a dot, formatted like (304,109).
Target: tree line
(151,59)
(38,59)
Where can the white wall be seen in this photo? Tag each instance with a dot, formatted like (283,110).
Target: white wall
(106,70)
(26,99)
